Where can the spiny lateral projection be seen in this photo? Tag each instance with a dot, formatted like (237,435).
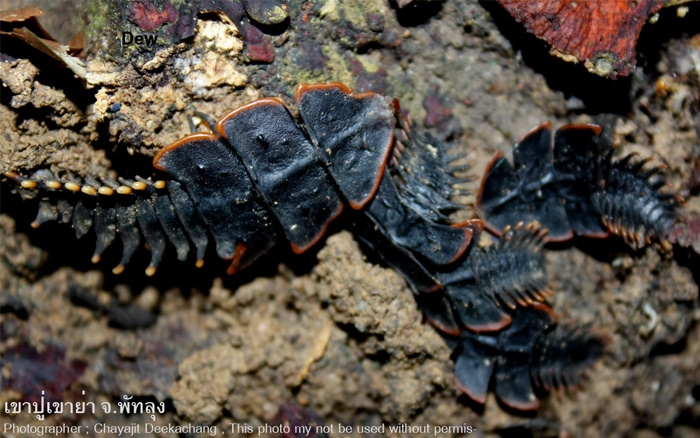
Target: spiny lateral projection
(577,188)
(260,177)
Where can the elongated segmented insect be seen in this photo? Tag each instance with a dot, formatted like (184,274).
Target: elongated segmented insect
(261,177)
(576,188)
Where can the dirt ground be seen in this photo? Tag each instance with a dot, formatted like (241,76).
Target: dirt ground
(334,330)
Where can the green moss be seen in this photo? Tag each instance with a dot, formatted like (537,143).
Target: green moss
(369,62)
(354,12)
(337,66)
(97,22)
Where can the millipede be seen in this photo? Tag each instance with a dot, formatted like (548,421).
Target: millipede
(258,177)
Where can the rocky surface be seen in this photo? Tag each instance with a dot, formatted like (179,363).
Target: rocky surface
(334,330)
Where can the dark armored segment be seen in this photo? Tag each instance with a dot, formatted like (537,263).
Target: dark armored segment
(187,213)
(527,190)
(230,206)
(82,219)
(438,243)
(151,229)
(128,233)
(165,210)
(105,229)
(496,278)
(284,168)
(574,146)
(503,356)
(534,355)
(354,135)
(580,191)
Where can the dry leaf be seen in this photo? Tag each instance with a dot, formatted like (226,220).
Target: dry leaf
(26,28)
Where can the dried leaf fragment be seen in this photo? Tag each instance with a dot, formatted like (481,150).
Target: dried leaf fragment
(601,33)
(25,27)
(22,14)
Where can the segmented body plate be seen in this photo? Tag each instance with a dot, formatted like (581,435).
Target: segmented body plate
(284,168)
(228,204)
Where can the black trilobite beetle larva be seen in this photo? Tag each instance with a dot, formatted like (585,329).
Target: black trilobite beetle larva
(577,188)
(260,177)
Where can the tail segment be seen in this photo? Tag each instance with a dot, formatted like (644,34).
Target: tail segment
(562,357)
(629,202)
(532,356)
(160,211)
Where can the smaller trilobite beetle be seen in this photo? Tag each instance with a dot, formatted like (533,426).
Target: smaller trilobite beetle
(576,188)
(535,355)
(260,177)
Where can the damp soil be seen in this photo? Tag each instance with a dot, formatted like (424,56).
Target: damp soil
(334,330)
